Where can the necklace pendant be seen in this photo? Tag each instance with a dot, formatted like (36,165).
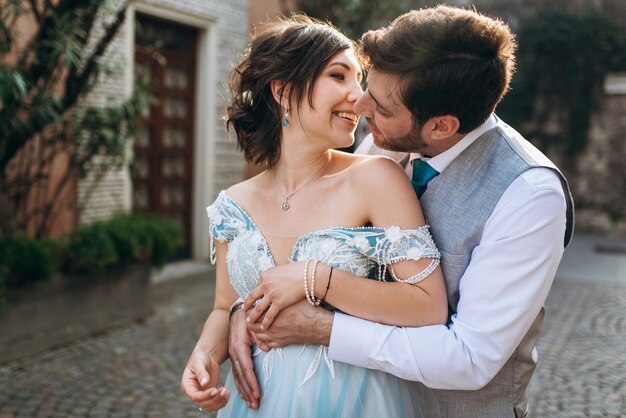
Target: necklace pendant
(285,205)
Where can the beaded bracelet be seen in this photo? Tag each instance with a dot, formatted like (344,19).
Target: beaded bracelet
(314,301)
(419,276)
(306,284)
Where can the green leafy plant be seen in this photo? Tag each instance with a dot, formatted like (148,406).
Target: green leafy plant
(126,235)
(562,62)
(3,295)
(354,17)
(144,238)
(164,238)
(25,261)
(121,240)
(44,80)
(89,251)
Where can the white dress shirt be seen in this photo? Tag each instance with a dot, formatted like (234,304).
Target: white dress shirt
(501,292)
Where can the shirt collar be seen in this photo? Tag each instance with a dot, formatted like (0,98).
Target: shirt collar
(441,161)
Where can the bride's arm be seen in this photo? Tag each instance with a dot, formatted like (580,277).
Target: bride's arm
(201,374)
(389,200)
(214,337)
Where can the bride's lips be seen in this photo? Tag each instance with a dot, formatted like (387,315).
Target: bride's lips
(348,117)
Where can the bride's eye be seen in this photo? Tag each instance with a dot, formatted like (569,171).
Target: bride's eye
(338,76)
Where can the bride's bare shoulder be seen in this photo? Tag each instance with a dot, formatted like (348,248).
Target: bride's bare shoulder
(245,190)
(373,169)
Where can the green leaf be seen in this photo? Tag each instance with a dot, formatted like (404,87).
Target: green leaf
(20,84)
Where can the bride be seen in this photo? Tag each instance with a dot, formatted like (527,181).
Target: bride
(329,214)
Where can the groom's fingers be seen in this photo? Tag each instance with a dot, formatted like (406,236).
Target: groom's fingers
(241,360)
(249,381)
(271,313)
(242,388)
(238,348)
(257,329)
(244,385)
(261,344)
(262,337)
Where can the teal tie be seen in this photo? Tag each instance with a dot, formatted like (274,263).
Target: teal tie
(422,174)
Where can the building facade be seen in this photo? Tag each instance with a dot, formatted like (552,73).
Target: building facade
(182,155)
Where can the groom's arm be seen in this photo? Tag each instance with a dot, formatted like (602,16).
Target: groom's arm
(300,323)
(502,292)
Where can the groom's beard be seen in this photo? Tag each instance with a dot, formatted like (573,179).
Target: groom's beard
(411,142)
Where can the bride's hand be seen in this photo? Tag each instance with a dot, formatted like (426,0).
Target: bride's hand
(277,288)
(200,380)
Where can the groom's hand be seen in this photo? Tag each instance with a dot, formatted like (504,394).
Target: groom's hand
(239,349)
(300,323)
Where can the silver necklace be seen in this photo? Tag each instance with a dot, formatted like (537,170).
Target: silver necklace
(285,205)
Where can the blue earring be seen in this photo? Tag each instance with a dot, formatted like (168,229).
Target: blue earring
(286,119)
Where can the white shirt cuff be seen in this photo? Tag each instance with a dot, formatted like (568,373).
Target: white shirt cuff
(349,340)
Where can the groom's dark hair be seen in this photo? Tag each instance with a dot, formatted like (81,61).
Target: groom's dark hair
(450,61)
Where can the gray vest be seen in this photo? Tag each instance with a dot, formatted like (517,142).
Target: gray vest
(468,190)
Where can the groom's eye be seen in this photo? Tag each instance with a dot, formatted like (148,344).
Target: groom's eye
(382,113)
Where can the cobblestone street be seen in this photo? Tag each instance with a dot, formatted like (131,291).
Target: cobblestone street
(582,365)
(134,371)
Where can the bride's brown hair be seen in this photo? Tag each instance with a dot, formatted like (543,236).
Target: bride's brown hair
(292,50)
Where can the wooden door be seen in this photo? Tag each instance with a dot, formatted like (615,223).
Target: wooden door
(163,163)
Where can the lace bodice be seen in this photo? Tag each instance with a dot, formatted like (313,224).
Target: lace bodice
(362,251)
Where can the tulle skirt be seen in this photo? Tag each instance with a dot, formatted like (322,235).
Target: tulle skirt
(299,381)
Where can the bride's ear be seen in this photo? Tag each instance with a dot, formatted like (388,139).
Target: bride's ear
(280,91)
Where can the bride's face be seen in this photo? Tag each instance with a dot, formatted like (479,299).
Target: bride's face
(331,118)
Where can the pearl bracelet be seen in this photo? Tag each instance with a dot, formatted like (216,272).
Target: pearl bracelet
(314,301)
(419,276)
(306,284)
(310,292)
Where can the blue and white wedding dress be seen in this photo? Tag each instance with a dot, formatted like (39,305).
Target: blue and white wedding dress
(300,380)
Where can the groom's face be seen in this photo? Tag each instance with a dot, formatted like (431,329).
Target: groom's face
(391,123)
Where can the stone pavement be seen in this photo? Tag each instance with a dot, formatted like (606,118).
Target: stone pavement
(582,361)
(134,371)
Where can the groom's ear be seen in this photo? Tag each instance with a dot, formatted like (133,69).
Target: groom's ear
(442,127)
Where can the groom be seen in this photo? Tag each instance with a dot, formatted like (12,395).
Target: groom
(500,212)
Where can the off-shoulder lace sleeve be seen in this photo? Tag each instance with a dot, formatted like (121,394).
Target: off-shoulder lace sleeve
(392,245)
(224,221)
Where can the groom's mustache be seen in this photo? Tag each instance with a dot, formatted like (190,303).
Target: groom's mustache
(372,125)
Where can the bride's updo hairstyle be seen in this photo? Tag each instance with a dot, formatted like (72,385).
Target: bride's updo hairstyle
(293,50)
